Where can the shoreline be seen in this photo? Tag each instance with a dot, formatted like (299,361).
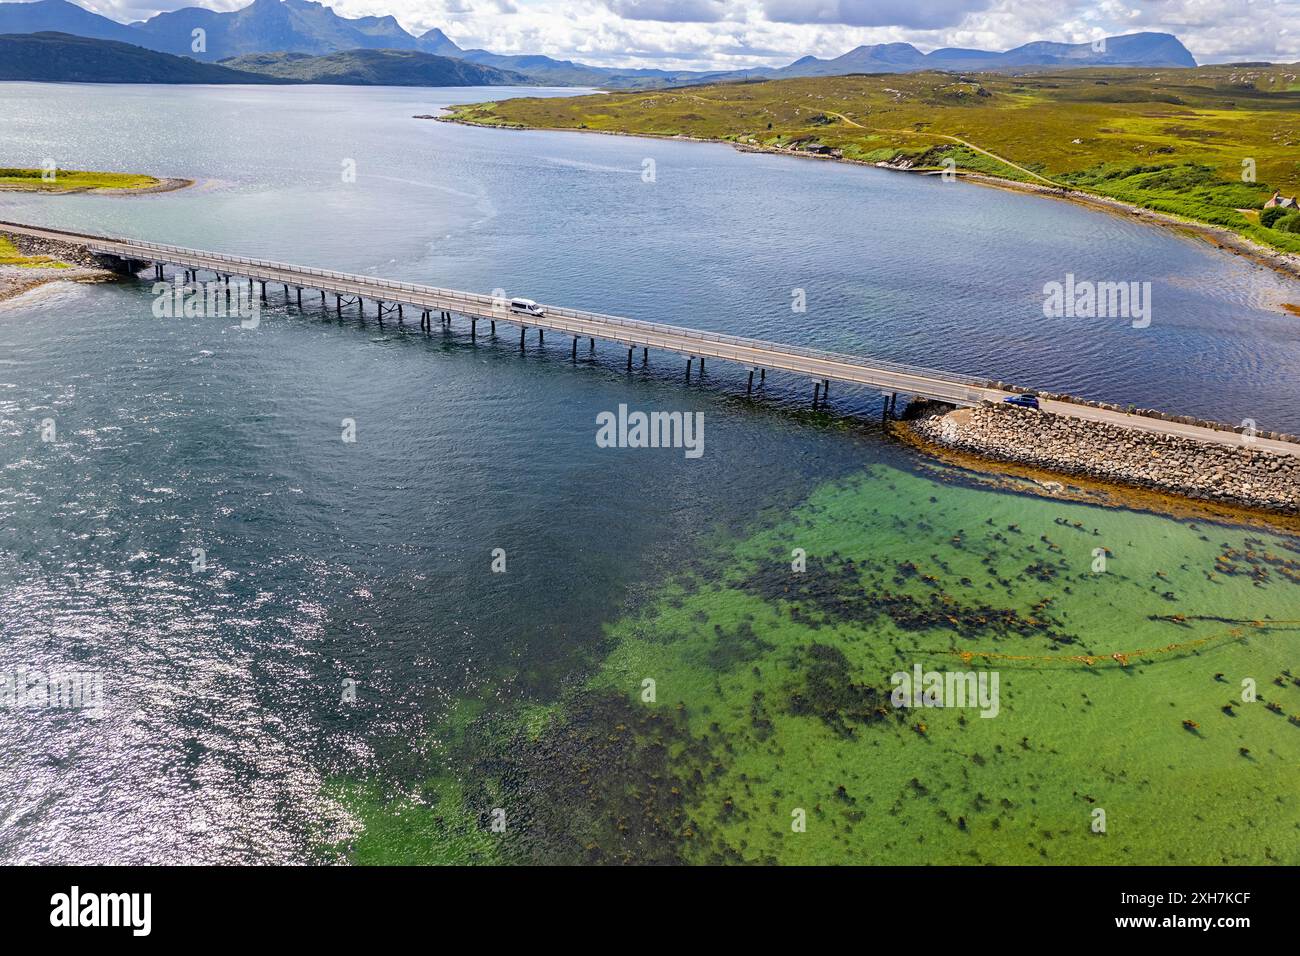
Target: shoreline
(1021,478)
(1110,465)
(164,185)
(1284,263)
(16,282)
(72,264)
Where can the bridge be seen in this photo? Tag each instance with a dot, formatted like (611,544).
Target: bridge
(820,366)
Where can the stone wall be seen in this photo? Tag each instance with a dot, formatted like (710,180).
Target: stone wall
(1242,476)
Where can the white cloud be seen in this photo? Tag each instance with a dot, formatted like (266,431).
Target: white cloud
(730,34)
(918,14)
(671,11)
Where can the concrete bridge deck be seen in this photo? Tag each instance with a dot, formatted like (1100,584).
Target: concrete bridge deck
(819,365)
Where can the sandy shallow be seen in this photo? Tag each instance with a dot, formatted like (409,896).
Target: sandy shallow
(16,280)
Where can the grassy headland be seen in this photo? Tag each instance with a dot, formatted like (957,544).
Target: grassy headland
(75,180)
(1183,142)
(26,263)
(10,256)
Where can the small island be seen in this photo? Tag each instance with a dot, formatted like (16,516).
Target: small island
(26,263)
(42,180)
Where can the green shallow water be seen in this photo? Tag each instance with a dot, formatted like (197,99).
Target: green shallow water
(771,696)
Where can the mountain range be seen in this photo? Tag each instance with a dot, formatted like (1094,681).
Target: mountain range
(1134,49)
(311,28)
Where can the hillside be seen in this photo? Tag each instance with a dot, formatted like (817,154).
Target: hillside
(1170,140)
(375,68)
(59,57)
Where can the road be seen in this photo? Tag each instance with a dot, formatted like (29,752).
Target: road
(816,364)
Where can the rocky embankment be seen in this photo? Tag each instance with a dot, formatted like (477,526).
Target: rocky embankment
(1181,466)
(71,263)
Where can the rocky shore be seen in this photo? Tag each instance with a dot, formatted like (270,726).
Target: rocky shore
(1219,474)
(72,263)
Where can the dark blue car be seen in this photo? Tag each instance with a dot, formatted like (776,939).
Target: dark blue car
(1021,401)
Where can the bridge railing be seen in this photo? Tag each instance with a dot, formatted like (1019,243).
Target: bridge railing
(493,305)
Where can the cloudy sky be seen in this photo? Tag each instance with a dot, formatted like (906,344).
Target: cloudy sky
(707,34)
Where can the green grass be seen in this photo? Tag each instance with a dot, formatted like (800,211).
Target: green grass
(10,256)
(1175,141)
(70,180)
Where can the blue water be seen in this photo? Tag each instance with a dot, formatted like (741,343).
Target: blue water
(330,561)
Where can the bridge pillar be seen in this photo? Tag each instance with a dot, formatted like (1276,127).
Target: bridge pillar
(689,360)
(338,306)
(629,359)
(494,326)
(826,389)
(473,328)
(816,393)
(399,313)
(541,336)
(575,348)
(522,330)
(762,375)
(750,387)
(300,297)
(263,291)
(645,356)
(591,345)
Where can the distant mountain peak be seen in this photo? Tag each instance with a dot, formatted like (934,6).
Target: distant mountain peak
(438,43)
(1133,49)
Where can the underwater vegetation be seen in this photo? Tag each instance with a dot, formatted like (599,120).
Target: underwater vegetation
(745,712)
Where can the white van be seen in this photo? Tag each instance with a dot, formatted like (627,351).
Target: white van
(526,306)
